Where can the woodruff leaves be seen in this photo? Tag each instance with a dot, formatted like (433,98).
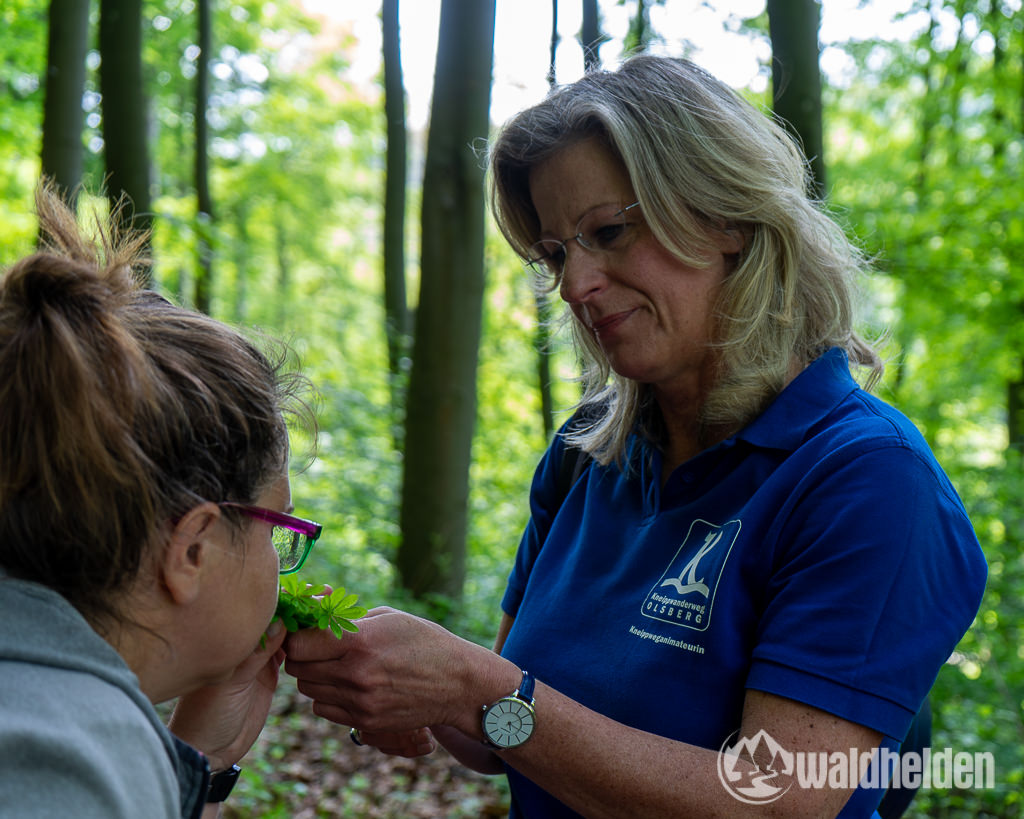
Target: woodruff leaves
(300,605)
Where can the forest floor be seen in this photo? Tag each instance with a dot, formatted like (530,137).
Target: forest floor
(304,767)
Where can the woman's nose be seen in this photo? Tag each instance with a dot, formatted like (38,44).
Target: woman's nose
(582,274)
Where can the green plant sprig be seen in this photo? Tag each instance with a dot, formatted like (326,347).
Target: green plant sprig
(300,605)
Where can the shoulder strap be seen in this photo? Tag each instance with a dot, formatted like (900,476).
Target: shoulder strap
(574,459)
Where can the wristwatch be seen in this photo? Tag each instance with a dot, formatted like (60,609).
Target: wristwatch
(510,721)
(221,784)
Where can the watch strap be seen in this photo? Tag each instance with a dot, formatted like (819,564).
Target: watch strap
(221,784)
(525,689)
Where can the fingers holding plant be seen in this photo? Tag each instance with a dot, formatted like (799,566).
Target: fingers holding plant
(397,674)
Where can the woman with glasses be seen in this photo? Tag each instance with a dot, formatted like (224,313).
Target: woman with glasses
(757,557)
(145,514)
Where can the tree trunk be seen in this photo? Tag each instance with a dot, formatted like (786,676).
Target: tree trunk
(929,109)
(284,273)
(1015,388)
(553,45)
(796,77)
(396,308)
(999,114)
(639,35)
(442,385)
(542,336)
(204,201)
(542,341)
(65,85)
(124,112)
(956,72)
(590,36)
(240,257)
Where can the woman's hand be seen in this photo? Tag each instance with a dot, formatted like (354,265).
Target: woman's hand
(223,720)
(397,674)
(419,742)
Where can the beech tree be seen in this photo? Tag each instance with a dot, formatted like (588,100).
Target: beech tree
(204,199)
(591,37)
(796,76)
(441,400)
(396,309)
(126,147)
(62,151)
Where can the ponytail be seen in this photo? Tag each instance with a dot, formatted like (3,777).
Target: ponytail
(118,412)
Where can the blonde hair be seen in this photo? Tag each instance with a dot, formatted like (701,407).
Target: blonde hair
(699,157)
(118,412)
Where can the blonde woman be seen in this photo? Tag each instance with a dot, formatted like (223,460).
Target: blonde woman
(758,554)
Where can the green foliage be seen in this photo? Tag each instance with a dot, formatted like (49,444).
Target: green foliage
(978,698)
(301,605)
(928,174)
(23,29)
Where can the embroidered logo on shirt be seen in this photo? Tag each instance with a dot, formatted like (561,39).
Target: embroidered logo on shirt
(685,593)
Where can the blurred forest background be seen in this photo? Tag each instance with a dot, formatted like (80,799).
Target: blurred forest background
(287,195)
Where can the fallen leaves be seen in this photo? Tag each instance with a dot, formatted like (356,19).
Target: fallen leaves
(304,767)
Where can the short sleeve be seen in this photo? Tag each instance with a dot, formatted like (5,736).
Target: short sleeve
(545,501)
(878,574)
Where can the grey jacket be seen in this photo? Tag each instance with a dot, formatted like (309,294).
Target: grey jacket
(77,735)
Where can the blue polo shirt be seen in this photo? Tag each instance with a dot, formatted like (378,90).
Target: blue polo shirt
(821,554)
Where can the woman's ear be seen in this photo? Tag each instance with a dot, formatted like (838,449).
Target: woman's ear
(188,552)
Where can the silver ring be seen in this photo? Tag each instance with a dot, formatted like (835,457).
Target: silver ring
(355,736)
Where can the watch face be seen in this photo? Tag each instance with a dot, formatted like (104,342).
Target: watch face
(509,722)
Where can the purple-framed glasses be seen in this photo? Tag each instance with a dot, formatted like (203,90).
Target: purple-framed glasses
(292,537)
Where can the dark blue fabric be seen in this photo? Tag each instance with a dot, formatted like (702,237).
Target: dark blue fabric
(193,777)
(821,554)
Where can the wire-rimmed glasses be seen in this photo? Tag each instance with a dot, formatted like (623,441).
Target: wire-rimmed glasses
(604,229)
(292,537)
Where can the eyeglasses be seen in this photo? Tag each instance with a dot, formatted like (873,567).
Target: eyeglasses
(292,537)
(604,229)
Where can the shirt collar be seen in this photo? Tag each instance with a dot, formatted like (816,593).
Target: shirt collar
(805,401)
(786,422)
